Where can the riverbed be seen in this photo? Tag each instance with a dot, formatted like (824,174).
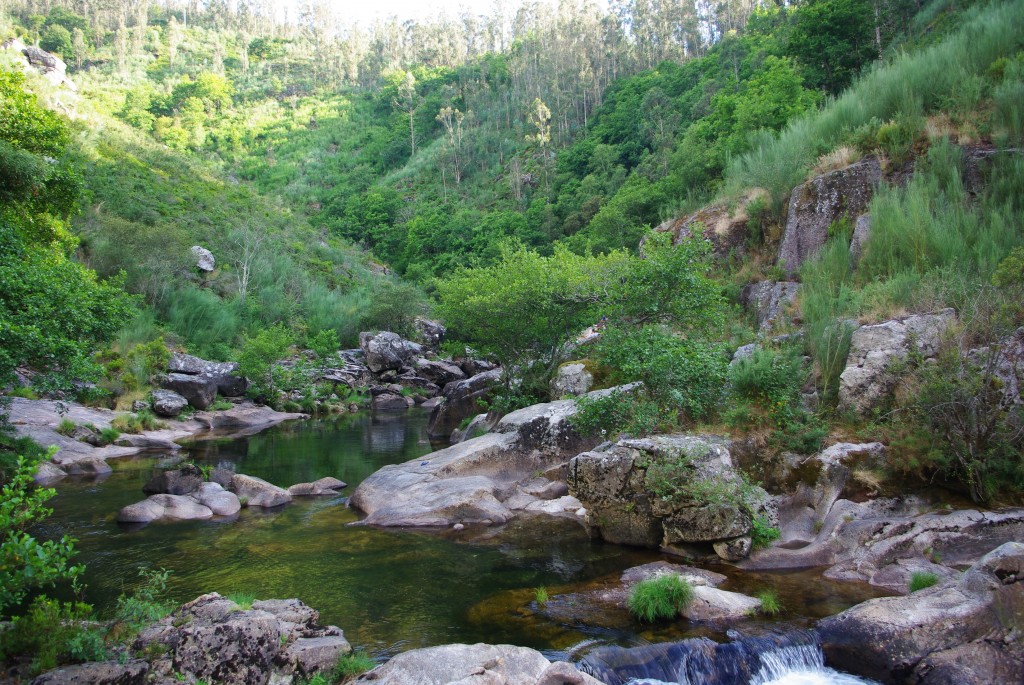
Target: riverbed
(389,590)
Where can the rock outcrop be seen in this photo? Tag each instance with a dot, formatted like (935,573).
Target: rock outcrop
(723,224)
(212,639)
(768,300)
(204,258)
(820,202)
(478,481)
(635,492)
(198,391)
(572,379)
(132,672)
(461,401)
(167,403)
(878,351)
(964,631)
(224,375)
(460,664)
(386,351)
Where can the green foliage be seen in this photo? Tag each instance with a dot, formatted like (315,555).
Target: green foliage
(242,600)
(145,604)
(109,435)
(540,595)
(135,423)
(66,427)
(763,534)
(919,580)
(259,356)
(661,597)
(617,412)
(26,563)
(54,633)
(352,665)
(770,605)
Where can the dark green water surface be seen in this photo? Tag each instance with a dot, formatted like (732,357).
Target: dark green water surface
(388,590)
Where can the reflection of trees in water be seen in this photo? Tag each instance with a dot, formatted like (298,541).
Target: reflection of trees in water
(386,433)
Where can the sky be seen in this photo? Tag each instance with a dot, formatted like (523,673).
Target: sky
(366,11)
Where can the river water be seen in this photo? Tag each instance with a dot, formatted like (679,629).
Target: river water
(388,590)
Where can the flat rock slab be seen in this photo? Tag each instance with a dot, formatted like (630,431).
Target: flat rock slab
(319,488)
(712,604)
(97,673)
(256,492)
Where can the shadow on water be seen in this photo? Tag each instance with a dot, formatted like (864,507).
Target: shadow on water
(389,590)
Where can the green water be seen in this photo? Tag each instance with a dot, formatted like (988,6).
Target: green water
(388,590)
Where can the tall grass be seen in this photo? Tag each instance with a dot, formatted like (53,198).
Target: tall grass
(931,79)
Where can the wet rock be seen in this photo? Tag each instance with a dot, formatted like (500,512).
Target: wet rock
(204,258)
(248,417)
(199,391)
(387,351)
(324,486)
(217,499)
(90,466)
(223,374)
(97,673)
(156,507)
(820,202)
(877,351)
(391,402)
(918,638)
(573,379)
(432,403)
(461,401)
(181,481)
(256,492)
(712,604)
(48,473)
(768,300)
(167,403)
(451,664)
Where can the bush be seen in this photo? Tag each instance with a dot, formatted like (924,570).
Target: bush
(352,665)
(618,412)
(762,533)
(25,563)
(54,633)
(144,605)
(920,580)
(66,427)
(259,357)
(662,597)
(770,605)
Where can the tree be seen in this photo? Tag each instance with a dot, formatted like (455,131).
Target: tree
(259,357)
(248,241)
(408,101)
(452,120)
(26,563)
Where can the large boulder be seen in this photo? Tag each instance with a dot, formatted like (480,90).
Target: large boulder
(156,507)
(256,492)
(878,351)
(460,664)
(387,351)
(431,332)
(213,640)
(461,401)
(199,391)
(391,402)
(440,372)
(924,637)
(204,258)
(223,374)
(817,204)
(218,500)
(635,492)
(768,300)
(573,379)
(180,481)
(167,403)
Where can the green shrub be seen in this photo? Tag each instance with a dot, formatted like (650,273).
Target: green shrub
(25,393)
(770,605)
(762,533)
(540,595)
(66,427)
(618,412)
(242,600)
(109,435)
(352,665)
(144,605)
(919,580)
(662,597)
(54,633)
(259,357)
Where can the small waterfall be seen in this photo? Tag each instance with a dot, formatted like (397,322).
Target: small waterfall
(793,658)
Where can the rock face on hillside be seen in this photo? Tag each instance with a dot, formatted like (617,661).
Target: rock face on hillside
(224,375)
(768,300)
(877,351)
(460,664)
(817,204)
(630,492)
(724,225)
(964,631)
(485,480)
(387,351)
(572,378)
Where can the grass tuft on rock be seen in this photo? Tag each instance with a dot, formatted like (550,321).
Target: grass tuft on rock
(662,597)
(921,580)
(770,605)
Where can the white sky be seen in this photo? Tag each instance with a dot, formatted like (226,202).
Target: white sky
(366,11)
